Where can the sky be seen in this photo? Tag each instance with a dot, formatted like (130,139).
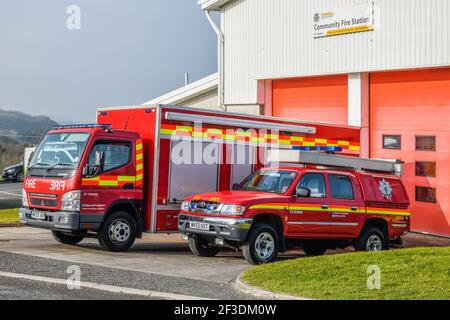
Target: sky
(56,62)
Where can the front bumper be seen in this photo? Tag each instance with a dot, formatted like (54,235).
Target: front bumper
(66,221)
(233,229)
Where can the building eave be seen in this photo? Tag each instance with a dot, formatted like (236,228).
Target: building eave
(213,4)
(198,88)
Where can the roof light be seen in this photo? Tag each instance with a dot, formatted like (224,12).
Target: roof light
(80,126)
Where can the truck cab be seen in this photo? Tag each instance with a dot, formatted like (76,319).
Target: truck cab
(85,181)
(308,206)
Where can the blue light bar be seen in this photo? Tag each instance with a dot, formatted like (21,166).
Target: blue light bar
(82,126)
(318,148)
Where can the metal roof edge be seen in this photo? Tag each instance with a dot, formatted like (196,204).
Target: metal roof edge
(192,90)
(212,4)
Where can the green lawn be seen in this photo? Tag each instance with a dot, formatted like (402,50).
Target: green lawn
(9,216)
(422,273)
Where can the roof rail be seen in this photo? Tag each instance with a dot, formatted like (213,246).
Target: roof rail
(394,167)
(79,126)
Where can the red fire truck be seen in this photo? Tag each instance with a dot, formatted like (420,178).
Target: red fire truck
(123,176)
(322,202)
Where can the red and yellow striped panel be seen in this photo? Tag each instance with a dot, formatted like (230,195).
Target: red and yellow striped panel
(254,137)
(139,163)
(343,209)
(108,181)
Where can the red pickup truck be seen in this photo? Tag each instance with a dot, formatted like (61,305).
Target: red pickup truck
(309,207)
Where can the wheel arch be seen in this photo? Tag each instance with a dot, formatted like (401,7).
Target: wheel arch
(276,221)
(133,208)
(379,223)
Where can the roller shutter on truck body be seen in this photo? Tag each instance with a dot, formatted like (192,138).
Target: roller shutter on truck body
(411,110)
(312,99)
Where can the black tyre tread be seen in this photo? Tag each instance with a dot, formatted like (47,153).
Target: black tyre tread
(360,243)
(103,237)
(199,247)
(66,238)
(249,244)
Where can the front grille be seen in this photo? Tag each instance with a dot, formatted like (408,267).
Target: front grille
(205,207)
(44,200)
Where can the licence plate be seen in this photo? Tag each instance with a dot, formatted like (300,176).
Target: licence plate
(38,215)
(199,225)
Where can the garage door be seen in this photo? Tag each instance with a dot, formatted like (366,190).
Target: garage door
(410,120)
(312,99)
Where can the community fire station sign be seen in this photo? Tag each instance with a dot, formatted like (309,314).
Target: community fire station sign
(343,21)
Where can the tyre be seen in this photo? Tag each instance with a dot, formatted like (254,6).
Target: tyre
(261,245)
(66,238)
(200,247)
(20,177)
(371,239)
(314,249)
(118,232)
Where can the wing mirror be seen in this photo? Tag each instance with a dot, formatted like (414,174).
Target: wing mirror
(97,168)
(302,193)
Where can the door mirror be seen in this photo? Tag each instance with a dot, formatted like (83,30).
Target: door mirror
(90,170)
(302,192)
(99,159)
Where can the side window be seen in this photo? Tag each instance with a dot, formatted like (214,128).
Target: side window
(341,187)
(315,182)
(117,154)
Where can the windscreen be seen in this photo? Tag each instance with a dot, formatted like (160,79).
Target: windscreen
(273,181)
(59,151)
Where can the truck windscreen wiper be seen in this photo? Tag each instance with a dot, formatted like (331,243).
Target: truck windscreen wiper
(59,164)
(38,164)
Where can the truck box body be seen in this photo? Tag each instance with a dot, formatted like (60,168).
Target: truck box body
(161,128)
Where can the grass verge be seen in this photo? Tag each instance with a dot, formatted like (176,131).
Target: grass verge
(407,274)
(9,216)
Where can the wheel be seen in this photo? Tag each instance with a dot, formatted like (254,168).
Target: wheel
(371,239)
(66,238)
(261,245)
(200,247)
(118,232)
(314,249)
(20,177)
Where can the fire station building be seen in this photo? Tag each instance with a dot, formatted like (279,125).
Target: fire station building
(380,65)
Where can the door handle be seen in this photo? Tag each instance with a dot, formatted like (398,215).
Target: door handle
(325,206)
(128,186)
(354,209)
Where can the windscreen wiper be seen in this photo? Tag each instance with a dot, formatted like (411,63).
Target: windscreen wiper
(59,164)
(38,164)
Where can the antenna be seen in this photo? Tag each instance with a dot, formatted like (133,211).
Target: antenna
(186,79)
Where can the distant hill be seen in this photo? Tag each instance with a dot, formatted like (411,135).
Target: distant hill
(17,131)
(24,127)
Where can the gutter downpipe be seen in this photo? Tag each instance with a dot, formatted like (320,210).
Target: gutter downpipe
(221,60)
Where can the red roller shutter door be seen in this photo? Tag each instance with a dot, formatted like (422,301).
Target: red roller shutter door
(410,104)
(312,99)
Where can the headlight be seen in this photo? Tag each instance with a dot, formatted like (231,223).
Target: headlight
(11,171)
(185,205)
(71,201)
(24,198)
(232,210)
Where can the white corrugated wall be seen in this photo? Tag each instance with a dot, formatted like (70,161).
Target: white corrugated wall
(266,39)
